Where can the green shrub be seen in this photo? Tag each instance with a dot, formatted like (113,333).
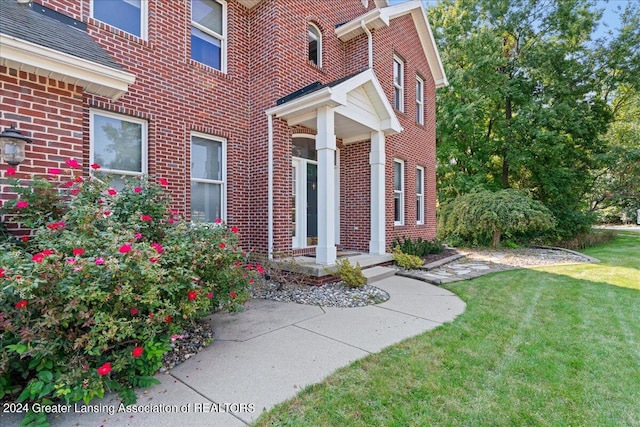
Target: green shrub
(407,261)
(90,301)
(418,247)
(350,275)
(483,217)
(585,240)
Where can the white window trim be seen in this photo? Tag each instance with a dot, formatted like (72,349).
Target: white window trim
(144,144)
(311,24)
(222,37)
(420,197)
(400,192)
(420,100)
(400,86)
(223,182)
(144,18)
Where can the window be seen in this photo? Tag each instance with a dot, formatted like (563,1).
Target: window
(398,84)
(315,45)
(419,101)
(398,192)
(419,195)
(128,15)
(208,33)
(118,144)
(208,176)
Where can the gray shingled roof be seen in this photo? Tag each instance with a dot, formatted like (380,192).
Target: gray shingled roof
(22,22)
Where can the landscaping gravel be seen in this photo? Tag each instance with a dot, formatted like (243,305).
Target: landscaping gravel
(185,345)
(328,295)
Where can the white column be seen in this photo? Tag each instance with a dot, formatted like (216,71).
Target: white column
(326,148)
(377,244)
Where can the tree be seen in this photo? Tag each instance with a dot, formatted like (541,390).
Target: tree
(529,100)
(487,215)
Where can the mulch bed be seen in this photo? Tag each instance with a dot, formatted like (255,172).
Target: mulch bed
(446,252)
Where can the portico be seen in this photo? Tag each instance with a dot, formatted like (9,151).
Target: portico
(352,109)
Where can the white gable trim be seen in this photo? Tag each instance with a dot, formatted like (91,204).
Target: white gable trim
(43,61)
(305,107)
(379,18)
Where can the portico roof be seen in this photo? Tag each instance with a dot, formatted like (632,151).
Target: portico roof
(359,103)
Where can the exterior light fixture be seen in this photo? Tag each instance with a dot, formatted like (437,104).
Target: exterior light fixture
(12,146)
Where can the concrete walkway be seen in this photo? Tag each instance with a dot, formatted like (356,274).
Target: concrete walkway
(269,353)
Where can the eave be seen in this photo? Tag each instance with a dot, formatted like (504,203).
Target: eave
(93,77)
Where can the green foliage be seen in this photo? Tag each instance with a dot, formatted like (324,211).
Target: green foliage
(350,275)
(90,301)
(480,218)
(418,247)
(588,239)
(404,260)
(530,99)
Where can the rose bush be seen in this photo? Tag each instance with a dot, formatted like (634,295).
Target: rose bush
(91,298)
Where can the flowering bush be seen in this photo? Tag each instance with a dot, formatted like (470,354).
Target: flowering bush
(91,298)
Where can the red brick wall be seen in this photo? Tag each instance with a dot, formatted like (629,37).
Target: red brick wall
(266,60)
(49,112)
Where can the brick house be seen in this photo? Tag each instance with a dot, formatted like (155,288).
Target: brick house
(308,124)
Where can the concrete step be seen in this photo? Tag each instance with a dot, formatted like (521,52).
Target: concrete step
(374,274)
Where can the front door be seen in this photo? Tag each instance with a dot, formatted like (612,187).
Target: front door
(304,194)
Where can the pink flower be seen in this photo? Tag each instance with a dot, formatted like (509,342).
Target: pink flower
(153,260)
(72,163)
(158,247)
(69,184)
(47,252)
(171,221)
(210,295)
(191,295)
(125,248)
(222,245)
(25,238)
(259,269)
(95,166)
(137,352)
(218,221)
(76,269)
(137,189)
(2,271)
(234,229)
(10,172)
(138,236)
(78,251)
(55,171)
(134,311)
(56,225)
(22,304)
(168,319)
(22,204)
(106,213)
(233,295)
(163,182)
(104,369)
(146,218)
(79,179)
(70,260)
(112,192)
(38,258)
(99,261)
(75,191)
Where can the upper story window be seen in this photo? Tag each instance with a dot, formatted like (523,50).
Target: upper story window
(118,144)
(128,15)
(315,45)
(419,100)
(398,84)
(208,33)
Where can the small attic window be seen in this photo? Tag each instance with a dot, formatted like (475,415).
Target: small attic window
(315,45)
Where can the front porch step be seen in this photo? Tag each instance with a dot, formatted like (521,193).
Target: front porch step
(375,274)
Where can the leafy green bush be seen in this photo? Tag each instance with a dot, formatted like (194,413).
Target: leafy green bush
(585,240)
(350,275)
(407,261)
(483,217)
(91,299)
(418,247)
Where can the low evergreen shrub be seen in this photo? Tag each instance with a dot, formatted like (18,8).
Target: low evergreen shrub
(408,261)
(350,275)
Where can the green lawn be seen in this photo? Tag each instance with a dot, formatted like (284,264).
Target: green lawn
(553,346)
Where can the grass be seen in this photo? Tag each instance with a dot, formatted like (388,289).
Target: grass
(553,346)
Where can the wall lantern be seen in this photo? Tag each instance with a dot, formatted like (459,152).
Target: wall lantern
(12,146)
